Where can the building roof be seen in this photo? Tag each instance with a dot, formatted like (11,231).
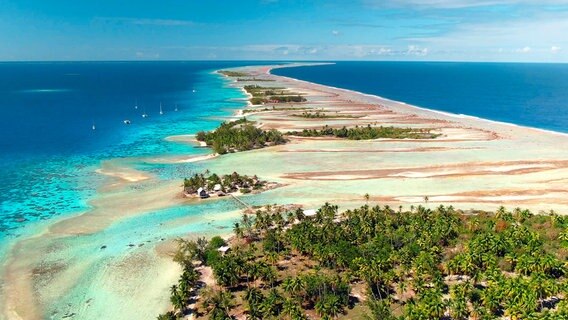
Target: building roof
(217,187)
(310,212)
(223,249)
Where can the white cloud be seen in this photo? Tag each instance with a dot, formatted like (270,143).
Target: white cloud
(335,32)
(283,50)
(555,49)
(511,36)
(309,50)
(319,52)
(361,52)
(416,51)
(382,51)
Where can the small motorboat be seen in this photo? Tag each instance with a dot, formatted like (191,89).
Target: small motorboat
(126,121)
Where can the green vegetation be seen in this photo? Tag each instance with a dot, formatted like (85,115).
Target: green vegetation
(254,79)
(415,264)
(322,115)
(229,183)
(257,100)
(239,135)
(287,99)
(262,95)
(185,292)
(367,133)
(276,99)
(233,73)
(257,91)
(272,109)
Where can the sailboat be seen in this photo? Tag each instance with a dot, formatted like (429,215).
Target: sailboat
(94,128)
(176,109)
(136,105)
(144,115)
(161,111)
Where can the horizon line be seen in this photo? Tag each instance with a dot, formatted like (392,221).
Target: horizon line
(277,61)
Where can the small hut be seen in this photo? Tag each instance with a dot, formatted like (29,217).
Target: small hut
(202,193)
(218,189)
(224,249)
(310,212)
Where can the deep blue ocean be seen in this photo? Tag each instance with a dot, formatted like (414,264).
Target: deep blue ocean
(48,149)
(534,95)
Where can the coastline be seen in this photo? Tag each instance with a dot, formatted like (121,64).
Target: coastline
(504,131)
(455,170)
(457,116)
(37,282)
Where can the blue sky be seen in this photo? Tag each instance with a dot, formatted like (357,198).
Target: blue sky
(463,30)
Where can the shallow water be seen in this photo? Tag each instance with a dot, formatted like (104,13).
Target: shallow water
(49,150)
(48,168)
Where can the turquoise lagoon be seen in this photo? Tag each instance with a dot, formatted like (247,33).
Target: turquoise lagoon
(50,151)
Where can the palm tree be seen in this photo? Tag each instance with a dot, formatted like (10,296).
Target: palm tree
(380,310)
(272,305)
(272,257)
(238,230)
(300,214)
(329,306)
(290,217)
(294,286)
(225,271)
(500,212)
(219,304)
(177,301)
(173,290)
(473,224)
(563,236)
(253,295)
(458,305)
(291,308)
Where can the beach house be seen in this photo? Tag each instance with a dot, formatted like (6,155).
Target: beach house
(202,193)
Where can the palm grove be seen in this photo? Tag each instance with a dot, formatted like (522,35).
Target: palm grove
(380,263)
(239,135)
